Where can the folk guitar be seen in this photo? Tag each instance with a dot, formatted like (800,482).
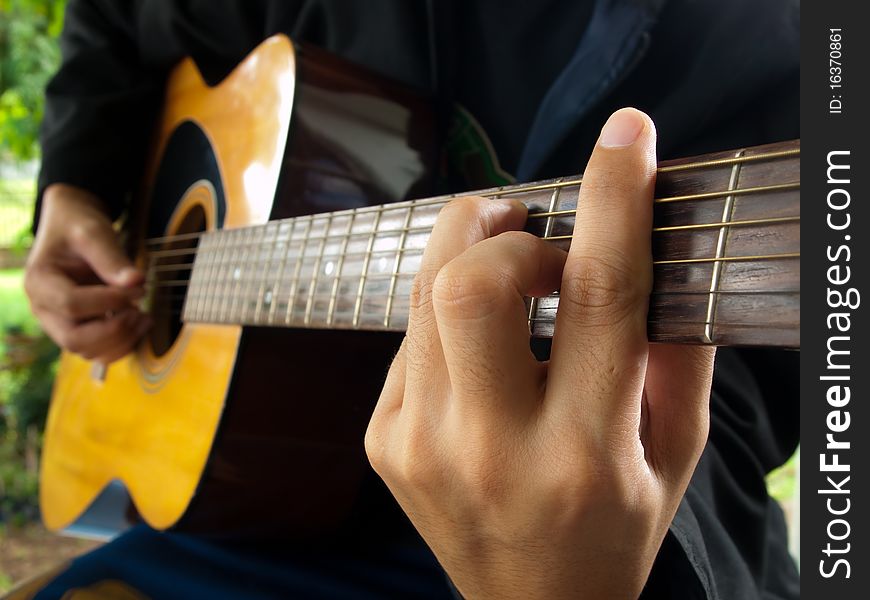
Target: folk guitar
(280,242)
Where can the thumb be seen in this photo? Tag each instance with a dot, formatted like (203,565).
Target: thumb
(96,241)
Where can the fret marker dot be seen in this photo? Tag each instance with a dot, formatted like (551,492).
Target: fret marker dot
(237,273)
(329,268)
(267,298)
(382,264)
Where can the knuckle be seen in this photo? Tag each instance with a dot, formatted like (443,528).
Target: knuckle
(420,296)
(375,447)
(85,230)
(458,294)
(602,290)
(471,212)
(67,306)
(482,475)
(521,239)
(466,208)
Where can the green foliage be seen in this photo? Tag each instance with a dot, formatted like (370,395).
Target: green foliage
(27,363)
(15,313)
(16,213)
(28,56)
(19,482)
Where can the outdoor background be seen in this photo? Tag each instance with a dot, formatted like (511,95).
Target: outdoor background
(28,56)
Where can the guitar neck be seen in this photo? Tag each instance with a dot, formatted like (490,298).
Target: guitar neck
(725,241)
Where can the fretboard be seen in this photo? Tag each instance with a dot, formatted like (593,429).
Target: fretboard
(725,240)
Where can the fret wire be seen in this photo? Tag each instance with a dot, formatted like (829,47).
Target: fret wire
(548,230)
(291,301)
(231,252)
(221,239)
(263,276)
(721,240)
(316,274)
(276,286)
(330,313)
(403,236)
(365,270)
(238,275)
(202,287)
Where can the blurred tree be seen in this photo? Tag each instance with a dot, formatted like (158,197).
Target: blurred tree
(28,56)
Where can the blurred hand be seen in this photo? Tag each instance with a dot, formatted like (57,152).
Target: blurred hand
(544,480)
(82,287)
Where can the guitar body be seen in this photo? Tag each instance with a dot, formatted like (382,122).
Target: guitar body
(224,428)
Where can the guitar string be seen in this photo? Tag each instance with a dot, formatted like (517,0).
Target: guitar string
(414,204)
(179,266)
(568,182)
(428,228)
(193,251)
(167,294)
(296,321)
(294,283)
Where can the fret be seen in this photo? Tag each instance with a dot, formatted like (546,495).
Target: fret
(209,245)
(365,270)
(270,238)
(217,276)
(204,285)
(228,281)
(309,304)
(214,242)
(194,295)
(330,313)
(249,275)
(290,226)
(297,270)
(187,310)
(189,298)
(548,231)
(239,274)
(727,212)
(389,308)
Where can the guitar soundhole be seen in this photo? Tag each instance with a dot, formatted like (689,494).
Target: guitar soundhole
(171,268)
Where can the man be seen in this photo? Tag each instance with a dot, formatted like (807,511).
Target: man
(518,491)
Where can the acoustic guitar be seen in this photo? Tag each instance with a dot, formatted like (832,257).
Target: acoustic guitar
(283,217)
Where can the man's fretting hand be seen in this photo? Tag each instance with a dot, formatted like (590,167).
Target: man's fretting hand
(82,287)
(544,480)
